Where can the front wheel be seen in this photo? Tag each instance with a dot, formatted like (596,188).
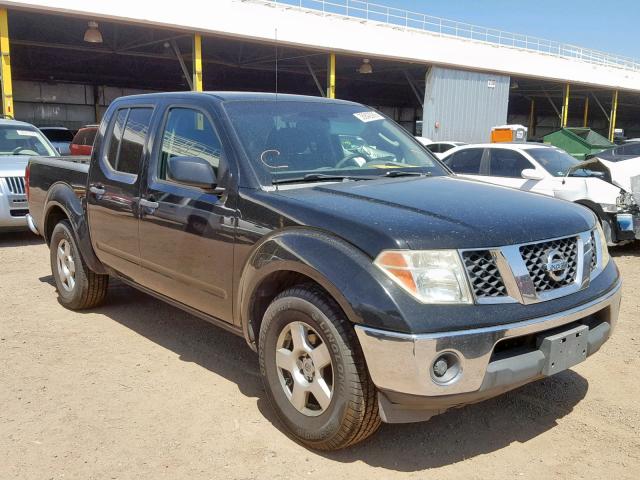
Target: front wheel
(314,371)
(78,286)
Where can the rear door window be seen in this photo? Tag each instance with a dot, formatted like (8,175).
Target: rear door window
(466,161)
(128,136)
(507,163)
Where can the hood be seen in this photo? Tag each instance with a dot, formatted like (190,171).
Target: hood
(427,213)
(623,171)
(13,165)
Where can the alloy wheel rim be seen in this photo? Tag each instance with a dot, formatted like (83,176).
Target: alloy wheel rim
(66,265)
(305,368)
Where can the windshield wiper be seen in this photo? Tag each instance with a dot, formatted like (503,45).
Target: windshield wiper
(318,177)
(404,173)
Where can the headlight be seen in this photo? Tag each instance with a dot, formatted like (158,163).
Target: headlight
(604,258)
(624,201)
(431,276)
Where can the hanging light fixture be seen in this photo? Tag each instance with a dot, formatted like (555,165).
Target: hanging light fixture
(366,67)
(93,35)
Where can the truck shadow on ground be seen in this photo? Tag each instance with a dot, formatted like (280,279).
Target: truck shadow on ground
(19,239)
(459,434)
(628,250)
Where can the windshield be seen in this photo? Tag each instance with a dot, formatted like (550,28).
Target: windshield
(557,162)
(24,140)
(290,140)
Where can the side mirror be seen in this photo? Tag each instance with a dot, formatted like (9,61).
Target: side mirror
(531,174)
(192,171)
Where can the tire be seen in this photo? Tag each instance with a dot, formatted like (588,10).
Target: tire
(349,413)
(78,287)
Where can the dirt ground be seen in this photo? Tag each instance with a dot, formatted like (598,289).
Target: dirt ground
(138,389)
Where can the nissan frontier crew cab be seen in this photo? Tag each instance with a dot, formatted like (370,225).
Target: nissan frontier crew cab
(374,284)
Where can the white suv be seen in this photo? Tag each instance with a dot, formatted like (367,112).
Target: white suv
(19,141)
(548,170)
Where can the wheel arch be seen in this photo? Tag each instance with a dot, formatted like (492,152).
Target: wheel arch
(299,256)
(62,203)
(603,217)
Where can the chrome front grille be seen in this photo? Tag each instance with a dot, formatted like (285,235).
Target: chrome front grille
(15,185)
(536,257)
(484,276)
(531,273)
(594,258)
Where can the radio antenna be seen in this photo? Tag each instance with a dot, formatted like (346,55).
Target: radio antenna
(276,36)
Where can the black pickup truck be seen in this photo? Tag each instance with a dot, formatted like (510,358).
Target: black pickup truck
(374,284)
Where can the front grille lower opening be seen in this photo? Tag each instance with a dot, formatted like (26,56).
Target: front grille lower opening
(511,347)
(19,212)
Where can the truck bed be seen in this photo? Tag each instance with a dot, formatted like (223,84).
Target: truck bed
(44,172)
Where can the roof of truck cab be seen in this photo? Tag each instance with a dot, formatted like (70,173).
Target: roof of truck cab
(245,96)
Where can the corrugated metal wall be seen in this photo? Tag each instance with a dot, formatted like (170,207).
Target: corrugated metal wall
(64,104)
(463,106)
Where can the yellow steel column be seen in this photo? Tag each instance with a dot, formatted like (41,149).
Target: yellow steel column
(585,123)
(565,106)
(532,118)
(7,89)
(614,115)
(197,63)
(331,76)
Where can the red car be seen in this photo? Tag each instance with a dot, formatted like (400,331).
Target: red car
(82,143)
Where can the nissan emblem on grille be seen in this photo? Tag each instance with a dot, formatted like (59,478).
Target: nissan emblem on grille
(556,266)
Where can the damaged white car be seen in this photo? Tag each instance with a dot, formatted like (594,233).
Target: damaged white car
(551,171)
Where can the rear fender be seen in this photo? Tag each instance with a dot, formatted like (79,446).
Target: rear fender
(61,196)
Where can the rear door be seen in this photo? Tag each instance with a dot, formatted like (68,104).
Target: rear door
(187,233)
(114,189)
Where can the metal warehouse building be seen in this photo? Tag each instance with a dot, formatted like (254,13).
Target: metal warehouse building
(64,61)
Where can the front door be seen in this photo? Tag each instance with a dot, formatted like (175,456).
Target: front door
(114,185)
(504,167)
(187,233)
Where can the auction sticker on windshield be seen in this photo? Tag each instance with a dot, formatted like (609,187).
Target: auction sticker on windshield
(368,116)
(27,133)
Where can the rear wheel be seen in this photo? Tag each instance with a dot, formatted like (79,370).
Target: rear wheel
(314,371)
(78,286)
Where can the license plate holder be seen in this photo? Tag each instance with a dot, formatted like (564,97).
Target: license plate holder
(564,349)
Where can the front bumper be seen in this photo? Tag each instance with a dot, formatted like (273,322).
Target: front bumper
(626,226)
(13,210)
(491,359)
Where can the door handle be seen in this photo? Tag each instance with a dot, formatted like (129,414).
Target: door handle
(97,190)
(148,205)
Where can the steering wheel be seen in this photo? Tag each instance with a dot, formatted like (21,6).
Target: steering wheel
(351,158)
(16,151)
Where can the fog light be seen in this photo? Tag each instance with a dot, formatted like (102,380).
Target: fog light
(440,367)
(446,368)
